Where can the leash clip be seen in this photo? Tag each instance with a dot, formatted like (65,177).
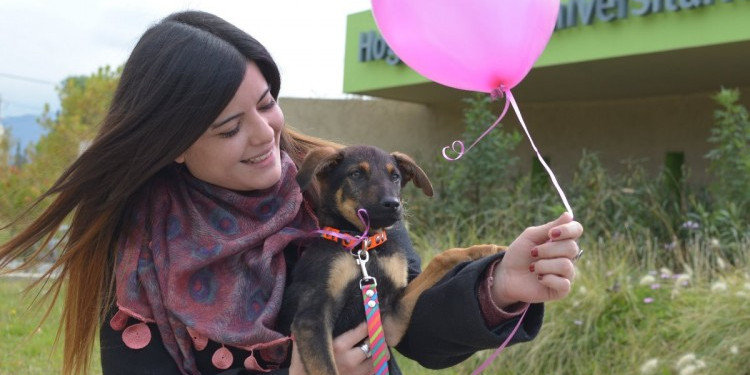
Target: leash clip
(366,243)
(360,240)
(362,257)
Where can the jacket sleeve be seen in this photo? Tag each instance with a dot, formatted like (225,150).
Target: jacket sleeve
(447,325)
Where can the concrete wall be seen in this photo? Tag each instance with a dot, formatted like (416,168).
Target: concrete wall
(415,129)
(642,129)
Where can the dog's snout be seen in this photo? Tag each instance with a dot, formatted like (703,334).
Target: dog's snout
(390,202)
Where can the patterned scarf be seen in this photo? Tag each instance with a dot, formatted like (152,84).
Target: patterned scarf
(208,263)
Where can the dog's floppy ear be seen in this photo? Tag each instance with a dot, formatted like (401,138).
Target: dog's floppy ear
(317,162)
(410,171)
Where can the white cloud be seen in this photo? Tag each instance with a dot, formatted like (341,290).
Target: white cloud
(49,40)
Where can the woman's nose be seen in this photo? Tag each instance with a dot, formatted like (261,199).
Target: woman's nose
(261,131)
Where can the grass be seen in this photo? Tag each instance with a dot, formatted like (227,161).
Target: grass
(25,347)
(618,317)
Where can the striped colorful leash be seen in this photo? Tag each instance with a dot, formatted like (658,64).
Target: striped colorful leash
(368,286)
(379,352)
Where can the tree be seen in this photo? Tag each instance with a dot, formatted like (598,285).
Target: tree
(477,181)
(4,148)
(5,173)
(84,101)
(730,156)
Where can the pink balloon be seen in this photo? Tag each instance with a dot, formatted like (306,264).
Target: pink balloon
(477,45)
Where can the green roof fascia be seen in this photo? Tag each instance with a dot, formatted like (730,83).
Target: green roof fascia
(714,22)
(361,76)
(717,23)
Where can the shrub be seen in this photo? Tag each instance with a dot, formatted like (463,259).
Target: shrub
(730,157)
(481,181)
(481,197)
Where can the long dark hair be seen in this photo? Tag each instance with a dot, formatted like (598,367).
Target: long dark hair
(181,74)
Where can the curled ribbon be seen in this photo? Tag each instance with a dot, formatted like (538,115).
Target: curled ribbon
(461,151)
(458,146)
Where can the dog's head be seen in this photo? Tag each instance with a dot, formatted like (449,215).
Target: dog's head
(360,177)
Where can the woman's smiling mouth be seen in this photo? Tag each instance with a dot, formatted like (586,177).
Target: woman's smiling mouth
(259,159)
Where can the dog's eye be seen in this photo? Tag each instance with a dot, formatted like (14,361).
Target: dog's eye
(355,174)
(395,177)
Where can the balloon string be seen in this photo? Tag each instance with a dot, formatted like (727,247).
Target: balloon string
(458,146)
(461,151)
(512,101)
(496,353)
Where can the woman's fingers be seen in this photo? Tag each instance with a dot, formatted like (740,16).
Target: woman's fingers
(543,233)
(350,338)
(561,267)
(566,231)
(556,274)
(559,249)
(350,358)
(559,285)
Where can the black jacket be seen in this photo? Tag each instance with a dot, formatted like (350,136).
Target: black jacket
(446,328)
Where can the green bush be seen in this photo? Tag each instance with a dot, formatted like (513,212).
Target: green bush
(730,158)
(482,198)
(482,180)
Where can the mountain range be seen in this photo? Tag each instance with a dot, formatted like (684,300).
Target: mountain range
(23,129)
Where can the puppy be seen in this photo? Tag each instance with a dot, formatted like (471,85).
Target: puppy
(324,298)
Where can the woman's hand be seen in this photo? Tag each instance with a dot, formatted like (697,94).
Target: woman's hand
(538,265)
(350,359)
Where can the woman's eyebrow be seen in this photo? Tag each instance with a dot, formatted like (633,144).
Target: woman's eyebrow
(230,118)
(264,95)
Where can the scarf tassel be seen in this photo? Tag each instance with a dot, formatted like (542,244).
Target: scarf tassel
(136,336)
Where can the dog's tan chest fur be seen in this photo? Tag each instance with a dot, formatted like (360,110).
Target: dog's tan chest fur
(395,266)
(344,271)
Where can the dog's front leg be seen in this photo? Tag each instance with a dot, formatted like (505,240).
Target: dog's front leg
(312,327)
(395,324)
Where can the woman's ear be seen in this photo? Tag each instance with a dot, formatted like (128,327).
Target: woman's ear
(180,159)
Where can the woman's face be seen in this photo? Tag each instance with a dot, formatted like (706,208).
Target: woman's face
(240,150)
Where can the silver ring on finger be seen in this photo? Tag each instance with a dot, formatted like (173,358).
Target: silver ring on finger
(578,256)
(365,348)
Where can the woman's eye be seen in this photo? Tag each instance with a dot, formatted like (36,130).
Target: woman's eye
(231,133)
(268,106)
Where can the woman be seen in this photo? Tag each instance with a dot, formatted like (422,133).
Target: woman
(184,219)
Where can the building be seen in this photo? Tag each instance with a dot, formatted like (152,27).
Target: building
(628,79)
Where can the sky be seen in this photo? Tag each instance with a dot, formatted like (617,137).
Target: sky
(44,41)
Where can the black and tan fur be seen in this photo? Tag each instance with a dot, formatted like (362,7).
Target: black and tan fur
(324,299)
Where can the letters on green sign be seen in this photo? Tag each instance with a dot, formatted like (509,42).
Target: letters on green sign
(576,12)
(372,46)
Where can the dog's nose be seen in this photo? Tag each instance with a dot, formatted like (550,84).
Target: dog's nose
(390,202)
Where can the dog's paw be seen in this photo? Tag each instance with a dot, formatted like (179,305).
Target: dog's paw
(452,257)
(481,251)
